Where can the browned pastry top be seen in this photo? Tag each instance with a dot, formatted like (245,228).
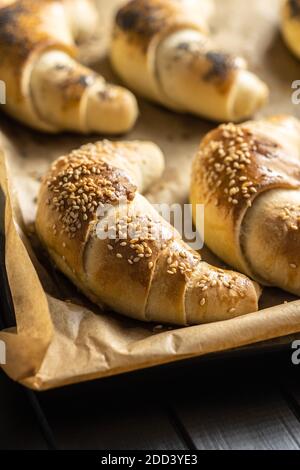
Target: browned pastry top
(141,21)
(209,65)
(22,26)
(79,183)
(26,28)
(148,17)
(74,188)
(234,165)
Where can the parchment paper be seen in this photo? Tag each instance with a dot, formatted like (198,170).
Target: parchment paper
(60,337)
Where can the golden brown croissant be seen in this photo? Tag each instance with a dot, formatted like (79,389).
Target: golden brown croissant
(143,269)
(248,177)
(163,51)
(290,25)
(46,87)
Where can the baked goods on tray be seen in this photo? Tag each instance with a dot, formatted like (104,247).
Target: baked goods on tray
(46,87)
(248,177)
(163,51)
(110,241)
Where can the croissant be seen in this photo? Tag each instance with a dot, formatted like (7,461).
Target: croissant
(111,242)
(290,25)
(46,87)
(248,177)
(163,51)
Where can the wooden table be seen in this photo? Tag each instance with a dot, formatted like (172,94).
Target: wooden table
(237,402)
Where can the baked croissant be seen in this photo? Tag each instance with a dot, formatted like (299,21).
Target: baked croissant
(248,177)
(125,256)
(46,88)
(290,25)
(163,51)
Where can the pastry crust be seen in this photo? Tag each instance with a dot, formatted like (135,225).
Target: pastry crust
(143,269)
(248,177)
(163,51)
(46,87)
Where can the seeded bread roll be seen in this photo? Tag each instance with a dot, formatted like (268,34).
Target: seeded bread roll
(290,25)
(163,51)
(108,239)
(46,87)
(248,177)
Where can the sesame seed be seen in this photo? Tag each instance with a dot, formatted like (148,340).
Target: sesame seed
(202,302)
(158,328)
(293,265)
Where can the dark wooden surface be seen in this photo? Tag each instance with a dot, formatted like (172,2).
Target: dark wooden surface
(220,403)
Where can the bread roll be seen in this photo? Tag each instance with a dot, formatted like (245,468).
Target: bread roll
(290,25)
(125,256)
(46,87)
(248,177)
(162,50)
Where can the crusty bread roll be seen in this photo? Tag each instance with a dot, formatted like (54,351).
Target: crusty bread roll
(290,25)
(248,177)
(46,87)
(161,49)
(125,256)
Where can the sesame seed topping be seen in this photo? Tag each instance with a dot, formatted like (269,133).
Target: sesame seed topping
(81,182)
(227,160)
